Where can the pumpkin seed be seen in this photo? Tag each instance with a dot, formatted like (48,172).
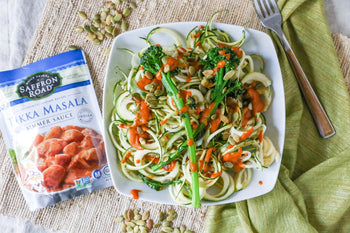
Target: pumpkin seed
(73,47)
(203,89)
(208,73)
(158,92)
(137,217)
(213,117)
(123,228)
(148,87)
(143,230)
(182,228)
(145,215)
(140,222)
(162,98)
(157,225)
(93,28)
(109,35)
(176,230)
(167,229)
(149,224)
(126,12)
(103,15)
(130,215)
(105,9)
(229,74)
(115,32)
(133,5)
(117,2)
(109,29)
(165,59)
(161,216)
(192,70)
(118,17)
(109,19)
(97,16)
(166,68)
(87,28)
(171,217)
(149,75)
(131,224)
(124,26)
(90,36)
(119,219)
(96,41)
(166,224)
(99,35)
(79,29)
(128,228)
(82,15)
(136,229)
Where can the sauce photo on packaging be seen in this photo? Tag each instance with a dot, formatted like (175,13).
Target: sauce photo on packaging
(51,123)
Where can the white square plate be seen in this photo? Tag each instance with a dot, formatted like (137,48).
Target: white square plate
(256,43)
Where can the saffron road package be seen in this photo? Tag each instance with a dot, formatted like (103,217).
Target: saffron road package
(52,124)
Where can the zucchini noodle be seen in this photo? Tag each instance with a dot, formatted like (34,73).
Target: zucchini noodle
(226,116)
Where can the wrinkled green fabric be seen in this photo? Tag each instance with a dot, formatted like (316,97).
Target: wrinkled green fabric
(312,193)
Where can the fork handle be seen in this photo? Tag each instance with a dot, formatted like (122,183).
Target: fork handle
(319,115)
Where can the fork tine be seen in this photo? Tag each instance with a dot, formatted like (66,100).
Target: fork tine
(274,5)
(257,4)
(268,9)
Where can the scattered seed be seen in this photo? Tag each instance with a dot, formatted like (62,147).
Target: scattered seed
(118,17)
(166,224)
(93,28)
(213,117)
(103,15)
(130,215)
(157,225)
(136,229)
(109,29)
(126,11)
(131,224)
(176,230)
(140,222)
(119,219)
(133,5)
(115,32)
(188,231)
(182,228)
(171,217)
(73,47)
(224,119)
(124,26)
(161,216)
(224,90)
(148,87)
(91,36)
(109,35)
(145,215)
(137,216)
(167,229)
(123,228)
(96,41)
(150,224)
(129,228)
(99,35)
(79,29)
(87,28)
(82,15)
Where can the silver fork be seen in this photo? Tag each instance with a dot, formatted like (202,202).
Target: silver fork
(271,18)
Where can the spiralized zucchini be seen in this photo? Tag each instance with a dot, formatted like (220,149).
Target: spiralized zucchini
(229,134)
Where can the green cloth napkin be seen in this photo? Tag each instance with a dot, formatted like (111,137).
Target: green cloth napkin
(312,193)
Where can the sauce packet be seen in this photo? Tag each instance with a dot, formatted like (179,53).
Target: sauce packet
(51,124)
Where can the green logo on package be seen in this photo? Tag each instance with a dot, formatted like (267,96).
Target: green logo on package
(39,85)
